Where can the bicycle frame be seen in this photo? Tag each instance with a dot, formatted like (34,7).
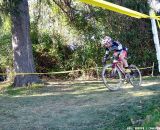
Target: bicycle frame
(116,64)
(114,75)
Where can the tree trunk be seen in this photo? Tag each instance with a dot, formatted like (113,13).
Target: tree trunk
(22,46)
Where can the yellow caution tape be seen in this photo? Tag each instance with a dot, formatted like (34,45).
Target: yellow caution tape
(3,74)
(62,72)
(153,15)
(145,68)
(118,9)
(158,22)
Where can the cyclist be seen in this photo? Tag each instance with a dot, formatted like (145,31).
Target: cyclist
(120,52)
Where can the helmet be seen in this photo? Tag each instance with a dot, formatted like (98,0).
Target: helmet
(106,39)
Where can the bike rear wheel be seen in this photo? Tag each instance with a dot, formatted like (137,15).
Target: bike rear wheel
(135,76)
(111,78)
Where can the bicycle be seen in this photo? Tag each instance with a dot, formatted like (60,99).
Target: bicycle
(114,76)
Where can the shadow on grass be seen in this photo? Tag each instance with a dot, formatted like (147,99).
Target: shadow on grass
(77,106)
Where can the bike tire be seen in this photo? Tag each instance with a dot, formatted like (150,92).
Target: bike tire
(112,83)
(135,76)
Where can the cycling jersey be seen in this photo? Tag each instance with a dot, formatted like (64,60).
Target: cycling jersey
(120,52)
(116,46)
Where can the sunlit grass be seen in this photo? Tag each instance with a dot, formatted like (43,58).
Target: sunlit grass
(142,93)
(8,89)
(80,106)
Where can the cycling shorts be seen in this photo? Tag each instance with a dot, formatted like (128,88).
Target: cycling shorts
(120,54)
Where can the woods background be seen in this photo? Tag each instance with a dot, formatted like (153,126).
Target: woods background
(66,35)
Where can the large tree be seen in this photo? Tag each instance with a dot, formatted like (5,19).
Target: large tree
(21,43)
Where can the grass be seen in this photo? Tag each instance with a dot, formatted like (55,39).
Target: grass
(8,89)
(151,78)
(153,117)
(79,106)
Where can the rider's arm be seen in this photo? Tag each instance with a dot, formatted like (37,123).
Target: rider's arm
(107,53)
(105,57)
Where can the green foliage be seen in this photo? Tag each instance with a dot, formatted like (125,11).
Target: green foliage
(55,26)
(9,6)
(5,51)
(90,24)
(5,44)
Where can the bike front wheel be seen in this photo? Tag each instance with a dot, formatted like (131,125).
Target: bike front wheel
(135,76)
(111,77)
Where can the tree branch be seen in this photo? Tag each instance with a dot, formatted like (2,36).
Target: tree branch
(65,6)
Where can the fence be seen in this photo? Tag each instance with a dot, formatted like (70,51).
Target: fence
(96,69)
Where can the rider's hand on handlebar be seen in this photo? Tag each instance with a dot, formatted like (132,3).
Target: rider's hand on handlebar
(104,60)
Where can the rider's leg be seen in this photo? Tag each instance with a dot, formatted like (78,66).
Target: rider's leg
(117,56)
(123,58)
(125,63)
